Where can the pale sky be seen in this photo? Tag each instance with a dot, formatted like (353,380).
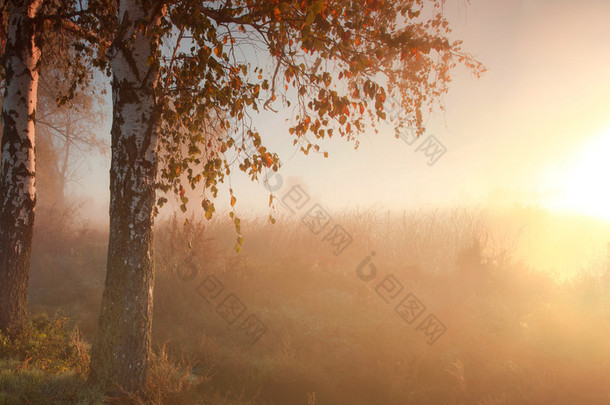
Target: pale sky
(527,129)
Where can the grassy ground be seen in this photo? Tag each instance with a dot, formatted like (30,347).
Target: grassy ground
(332,336)
(21,384)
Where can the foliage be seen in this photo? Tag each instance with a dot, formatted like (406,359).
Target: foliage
(47,343)
(61,34)
(334,66)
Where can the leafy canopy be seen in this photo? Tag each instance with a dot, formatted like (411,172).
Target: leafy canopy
(335,64)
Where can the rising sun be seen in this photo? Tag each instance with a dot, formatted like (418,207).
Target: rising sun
(585,186)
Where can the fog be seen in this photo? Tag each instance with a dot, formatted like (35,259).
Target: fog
(517,131)
(468,266)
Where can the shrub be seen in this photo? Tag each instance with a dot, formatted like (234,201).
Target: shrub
(47,343)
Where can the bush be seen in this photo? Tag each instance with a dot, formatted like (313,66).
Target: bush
(47,343)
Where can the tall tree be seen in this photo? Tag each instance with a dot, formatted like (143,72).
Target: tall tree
(181,67)
(121,352)
(28,28)
(21,61)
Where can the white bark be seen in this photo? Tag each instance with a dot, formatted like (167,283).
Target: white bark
(121,352)
(19,105)
(18,164)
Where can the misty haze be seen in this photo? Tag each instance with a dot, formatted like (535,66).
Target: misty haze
(305,202)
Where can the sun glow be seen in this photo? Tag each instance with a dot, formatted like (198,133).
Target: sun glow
(584,187)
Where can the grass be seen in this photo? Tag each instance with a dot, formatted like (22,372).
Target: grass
(514,334)
(21,383)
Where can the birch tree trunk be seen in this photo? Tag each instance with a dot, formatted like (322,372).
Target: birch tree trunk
(17,173)
(121,352)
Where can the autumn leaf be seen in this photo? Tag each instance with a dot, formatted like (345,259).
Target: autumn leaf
(332,53)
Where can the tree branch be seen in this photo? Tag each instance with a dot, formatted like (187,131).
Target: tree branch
(85,34)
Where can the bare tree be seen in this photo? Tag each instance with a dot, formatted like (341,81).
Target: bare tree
(67,134)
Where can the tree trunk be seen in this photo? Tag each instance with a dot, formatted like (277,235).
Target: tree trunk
(17,173)
(121,352)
